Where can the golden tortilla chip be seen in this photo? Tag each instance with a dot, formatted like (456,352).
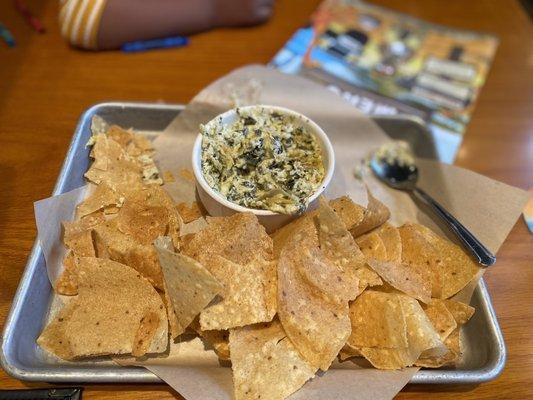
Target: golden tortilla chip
(102,198)
(421,337)
(348,352)
(112,165)
(417,253)
(461,312)
(304,225)
(187,231)
(143,223)
(165,242)
(406,278)
(148,327)
(248,296)
(112,244)
(372,246)
(105,317)
(308,309)
(189,213)
(377,321)
(77,234)
(442,320)
(153,197)
(350,213)
(452,355)
(219,340)
(376,214)
(142,142)
(457,269)
(189,285)
(67,283)
(119,135)
(339,245)
(265,363)
(391,239)
(239,238)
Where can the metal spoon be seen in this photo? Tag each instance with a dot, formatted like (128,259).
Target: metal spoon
(404,177)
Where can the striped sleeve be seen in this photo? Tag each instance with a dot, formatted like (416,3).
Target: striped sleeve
(79,21)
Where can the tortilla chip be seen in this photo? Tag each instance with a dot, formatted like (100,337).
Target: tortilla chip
(391,239)
(249,291)
(265,363)
(376,214)
(105,151)
(67,283)
(112,165)
(348,352)
(102,198)
(119,135)
(417,253)
(152,197)
(239,238)
(148,327)
(372,246)
(442,320)
(143,223)
(114,245)
(190,229)
(461,312)
(452,355)
(308,309)
(350,213)
(339,246)
(219,340)
(377,321)
(421,337)
(142,142)
(77,234)
(304,225)
(188,212)
(105,316)
(456,267)
(189,285)
(406,278)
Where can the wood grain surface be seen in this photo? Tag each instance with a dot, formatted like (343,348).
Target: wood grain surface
(45,86)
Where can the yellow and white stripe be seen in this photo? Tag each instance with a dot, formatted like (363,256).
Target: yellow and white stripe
(80,20)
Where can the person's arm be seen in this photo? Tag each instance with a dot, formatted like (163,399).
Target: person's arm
(107,24)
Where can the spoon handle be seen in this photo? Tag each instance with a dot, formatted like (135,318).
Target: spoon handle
(484,256)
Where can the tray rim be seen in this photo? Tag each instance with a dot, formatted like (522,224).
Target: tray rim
(141,375)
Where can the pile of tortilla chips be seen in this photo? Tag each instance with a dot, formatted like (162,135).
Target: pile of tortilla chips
(338,282)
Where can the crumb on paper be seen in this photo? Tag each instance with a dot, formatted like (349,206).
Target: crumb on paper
(168,177)
(187,174)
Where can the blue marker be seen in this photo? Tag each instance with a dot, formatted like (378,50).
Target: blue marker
(165,43)
(7,36)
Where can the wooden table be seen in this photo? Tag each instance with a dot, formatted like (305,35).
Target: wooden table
(45,86)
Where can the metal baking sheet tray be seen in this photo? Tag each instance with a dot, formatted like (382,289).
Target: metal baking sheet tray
(485,352)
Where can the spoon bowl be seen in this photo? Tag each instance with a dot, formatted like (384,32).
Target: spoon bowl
(397,175)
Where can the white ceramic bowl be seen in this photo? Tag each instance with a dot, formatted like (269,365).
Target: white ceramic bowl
(217,205)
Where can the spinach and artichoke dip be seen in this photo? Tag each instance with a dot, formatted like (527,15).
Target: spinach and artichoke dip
(264,160)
